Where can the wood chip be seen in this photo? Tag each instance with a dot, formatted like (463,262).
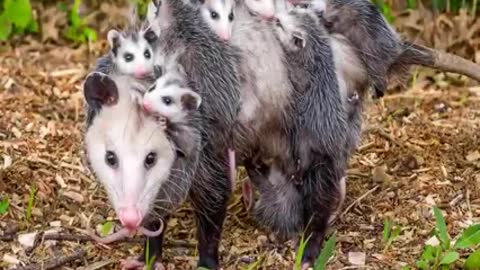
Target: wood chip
(74,196)
(10,259)
(27,240)
(357,258)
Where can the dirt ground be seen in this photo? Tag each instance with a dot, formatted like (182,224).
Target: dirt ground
(420,148)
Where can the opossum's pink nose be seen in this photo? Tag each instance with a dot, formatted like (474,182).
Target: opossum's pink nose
(130,218)
(225,36)
(147,106)
(140,73)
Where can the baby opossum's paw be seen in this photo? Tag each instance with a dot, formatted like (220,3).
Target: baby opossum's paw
(306,266)
(131,264)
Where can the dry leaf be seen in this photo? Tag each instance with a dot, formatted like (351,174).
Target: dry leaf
(27,240)
(10,259)
(473,156)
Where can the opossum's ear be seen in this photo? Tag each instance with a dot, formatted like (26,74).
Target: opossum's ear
(113,38)
(191,101)
(151,34)
(100,90)
(299,39)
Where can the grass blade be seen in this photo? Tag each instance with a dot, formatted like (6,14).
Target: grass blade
(327,252)
(441,228)
(301,249)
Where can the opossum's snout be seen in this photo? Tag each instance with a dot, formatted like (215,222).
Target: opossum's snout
(130,217)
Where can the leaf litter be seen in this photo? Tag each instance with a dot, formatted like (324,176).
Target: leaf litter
(419,149)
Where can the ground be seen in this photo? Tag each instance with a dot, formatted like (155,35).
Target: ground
(420,148)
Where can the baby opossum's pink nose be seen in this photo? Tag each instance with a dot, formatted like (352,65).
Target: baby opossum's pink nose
(140,72)
(130,218)
(225,36)
(268,16)
(147,106)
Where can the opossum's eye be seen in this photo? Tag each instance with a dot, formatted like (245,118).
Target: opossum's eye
(111,159)
(230,16)
(128,57)
(150,160)
(147,54)
(214,15)
(167,100)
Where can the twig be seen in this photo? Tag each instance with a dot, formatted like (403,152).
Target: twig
(356,202)
(54,263)
(386,136)
(86,238)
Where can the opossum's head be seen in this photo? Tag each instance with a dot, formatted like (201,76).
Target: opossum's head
(219,15)
(129,152)
(171,97)
(289,32)
(132,51)
(262,8)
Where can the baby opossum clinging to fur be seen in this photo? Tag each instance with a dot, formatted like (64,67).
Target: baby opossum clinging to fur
(170,97)
(218,14)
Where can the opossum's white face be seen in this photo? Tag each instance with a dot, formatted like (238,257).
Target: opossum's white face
(132,54)
(171,98)
(128,151)
(262,8)
(219,15)
(288,31)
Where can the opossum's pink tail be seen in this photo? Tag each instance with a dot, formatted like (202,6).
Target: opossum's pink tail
(124,232)
(233,166)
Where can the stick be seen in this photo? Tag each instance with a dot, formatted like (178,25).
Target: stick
(54,263)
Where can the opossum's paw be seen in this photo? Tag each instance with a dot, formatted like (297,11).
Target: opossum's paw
(159,266)
(306,266)
(131,264)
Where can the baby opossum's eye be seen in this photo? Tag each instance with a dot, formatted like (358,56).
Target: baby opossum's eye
(147,54)
(167,100)
(214,15)
(128,57)
(111,159)
(150,160)
(230,16)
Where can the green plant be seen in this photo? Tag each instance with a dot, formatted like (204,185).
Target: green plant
(386,10)
(16,18)
(77,30)
(4,204)
(390,233)
(106,228)
(326,253)
(444,255)
(31,200)
(149,261)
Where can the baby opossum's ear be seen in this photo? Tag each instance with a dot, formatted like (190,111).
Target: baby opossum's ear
(100,90)
(113,38)
(299,39)
(157,71)
(151,34)
(191,101)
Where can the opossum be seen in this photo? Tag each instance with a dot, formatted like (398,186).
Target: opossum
(170,97)
(130,154)
(211,70)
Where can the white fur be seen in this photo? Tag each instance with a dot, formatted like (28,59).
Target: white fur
(222,24)
(123,129)
(263,8)
(140,65)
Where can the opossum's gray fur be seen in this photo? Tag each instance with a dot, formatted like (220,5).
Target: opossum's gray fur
(211,69)
(376,43)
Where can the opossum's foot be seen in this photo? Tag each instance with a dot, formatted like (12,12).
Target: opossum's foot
(306,266)
(247,194)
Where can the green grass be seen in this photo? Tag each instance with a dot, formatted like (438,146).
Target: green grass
(30,203)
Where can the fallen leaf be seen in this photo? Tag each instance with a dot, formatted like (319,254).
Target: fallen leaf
(357,258)
(10,259)
(473,156)
(7,161)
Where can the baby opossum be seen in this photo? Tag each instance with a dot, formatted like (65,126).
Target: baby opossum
(218,14)
(170,97)
(321,131)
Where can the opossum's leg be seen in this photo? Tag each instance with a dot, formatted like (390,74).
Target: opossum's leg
(209,196)
(322,192)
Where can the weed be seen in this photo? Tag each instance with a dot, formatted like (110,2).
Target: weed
(77,30)
(16,18)
(390,233)
(31,200)
(149,261)
(444,255)
(106,228)
(4,204)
